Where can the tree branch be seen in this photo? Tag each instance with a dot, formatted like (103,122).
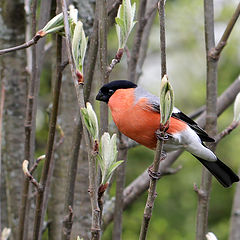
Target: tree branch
(45,177)
(91,158)
(215,52)
(160,141)
(211,120)
(141,22)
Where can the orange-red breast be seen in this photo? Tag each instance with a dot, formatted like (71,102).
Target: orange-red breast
(136,114)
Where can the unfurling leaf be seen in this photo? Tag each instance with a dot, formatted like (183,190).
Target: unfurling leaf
(54,25)
(236,110)
(125,22)
(90,120)
(166,100)
(107,156)
(79,46)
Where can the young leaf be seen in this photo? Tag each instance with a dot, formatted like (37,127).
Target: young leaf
(237,108)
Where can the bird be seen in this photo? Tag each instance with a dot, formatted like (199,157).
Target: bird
(136,113)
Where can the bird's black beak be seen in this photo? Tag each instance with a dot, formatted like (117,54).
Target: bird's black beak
(102,97)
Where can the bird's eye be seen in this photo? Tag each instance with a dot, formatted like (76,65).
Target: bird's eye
(111,91)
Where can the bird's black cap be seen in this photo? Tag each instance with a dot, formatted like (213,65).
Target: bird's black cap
(108,89)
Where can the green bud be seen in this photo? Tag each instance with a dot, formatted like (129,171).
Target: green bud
(166,100)
(236,110)
(90,120)
(54,25)
(79,46)
(125,21)
(108,156)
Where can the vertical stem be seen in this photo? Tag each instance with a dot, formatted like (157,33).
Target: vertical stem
(156,163)
(91,155)
(102,31)
(39,213)
(151,193)
(141,21)
(120,183)
(211,119)
(72,172)
(30,118)
(161,10)
(235,217)
(1,121)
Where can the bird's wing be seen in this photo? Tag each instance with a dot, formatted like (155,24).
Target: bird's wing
(155,106)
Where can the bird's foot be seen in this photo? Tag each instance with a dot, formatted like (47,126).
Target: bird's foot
(162,135)
(154,175)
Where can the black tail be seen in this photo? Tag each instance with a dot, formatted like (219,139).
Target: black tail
(220,171)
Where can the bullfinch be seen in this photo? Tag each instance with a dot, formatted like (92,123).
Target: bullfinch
(136,113)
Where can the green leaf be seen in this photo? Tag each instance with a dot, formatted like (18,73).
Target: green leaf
(125,21)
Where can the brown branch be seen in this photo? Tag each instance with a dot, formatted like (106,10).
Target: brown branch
(161,133)
(211,119)
(120,183)
(227,131)
(235,215)
(102,38)
(141,22)
(68,220)
(29,176)
(30,118)
(46,173)
(91,58)
(35,165)
(1,123)
(161,11)
(91,157)
(215,52)
(150,16)
(27,44)
(72,173)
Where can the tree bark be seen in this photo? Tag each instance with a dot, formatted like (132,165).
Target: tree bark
(14,75)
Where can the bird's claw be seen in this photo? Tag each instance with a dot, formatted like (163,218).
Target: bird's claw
(154,175)
(161,135)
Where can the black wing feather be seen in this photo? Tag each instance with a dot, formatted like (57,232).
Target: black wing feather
(200,132)
(183,117)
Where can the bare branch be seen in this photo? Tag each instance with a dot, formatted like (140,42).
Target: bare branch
(31,42)
(211,119)
(30,177)
(120,183)
(141,22)
(215,52)
(46,173)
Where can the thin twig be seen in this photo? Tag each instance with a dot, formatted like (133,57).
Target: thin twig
(91,58)
(39,213)
(30,177)
(156,163)
(215,52)
(141,22)
(35,165)
(27,44)
(91,158)
(227,131)
(102,38)
(1,121)
(72,173)
(30,117)
(120,183)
